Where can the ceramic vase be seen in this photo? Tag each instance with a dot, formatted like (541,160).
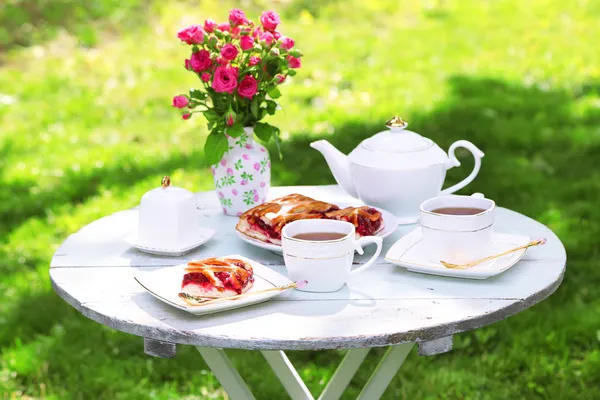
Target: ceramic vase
(243,177)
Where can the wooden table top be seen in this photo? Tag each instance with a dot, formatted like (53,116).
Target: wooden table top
(93,271)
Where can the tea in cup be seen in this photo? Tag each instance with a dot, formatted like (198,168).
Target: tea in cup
(321,252)
(458,229)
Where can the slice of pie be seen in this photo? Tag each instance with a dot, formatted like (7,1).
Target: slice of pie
(366,220)
(265,222)
(214,278)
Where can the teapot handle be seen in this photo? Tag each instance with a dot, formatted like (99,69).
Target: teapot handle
(453,162)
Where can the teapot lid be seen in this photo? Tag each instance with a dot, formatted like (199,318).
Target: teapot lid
(397,148)
(166,194)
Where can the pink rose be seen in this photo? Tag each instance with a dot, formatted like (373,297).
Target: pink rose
(246,42)
(244,182)
(187,64)
(212,170)
(248,87)
(276,35)
(254,60)
(205,77)
(225,79)
(256,33)
(269,20)
(256,197)
(221,195)
(222,61)
(180,101)
(237,17)
(239,214)
(229,172)
(245,157)
(186,116)
(209,25)
(294,62)
(267,37)
(286,42)
(263,149)
(263,184)
(248,146)
(229,52)
(257,166)
(200,61)
(230,117)
(263,200)
(235,32)
(223,162)
(224,210)
(269,164)
(280,79)
(224,27)
(254,191)
(234,192)
(192,35)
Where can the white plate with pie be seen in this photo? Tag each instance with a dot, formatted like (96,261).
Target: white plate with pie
(410,252)
(165,285)
(201,236)
(390,224)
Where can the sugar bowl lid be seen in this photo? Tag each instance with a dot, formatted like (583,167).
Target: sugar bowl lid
(166,194)
(397,148)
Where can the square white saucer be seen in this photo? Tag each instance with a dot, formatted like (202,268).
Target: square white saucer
(411,253)
(201,236)
(165,285)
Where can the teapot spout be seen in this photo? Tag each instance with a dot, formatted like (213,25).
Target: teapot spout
(338,164)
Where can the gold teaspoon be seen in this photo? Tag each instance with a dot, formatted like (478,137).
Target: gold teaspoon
(537,242)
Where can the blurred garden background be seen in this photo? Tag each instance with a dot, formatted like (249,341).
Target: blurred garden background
(86,127)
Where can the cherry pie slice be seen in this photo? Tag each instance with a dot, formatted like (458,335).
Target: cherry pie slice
(366,220)
(214,278)
(265,222)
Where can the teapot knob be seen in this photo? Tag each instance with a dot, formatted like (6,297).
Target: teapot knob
(396,124)
(165,182)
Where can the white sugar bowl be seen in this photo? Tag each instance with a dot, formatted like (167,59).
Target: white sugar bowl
(167,216)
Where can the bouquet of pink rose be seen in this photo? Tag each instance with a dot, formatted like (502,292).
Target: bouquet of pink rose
(240,66)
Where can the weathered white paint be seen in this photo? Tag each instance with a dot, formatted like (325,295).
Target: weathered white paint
(287,375)
(225,372)
(436,346)
(93,270)
(384,373)
(158,348)
(344,374)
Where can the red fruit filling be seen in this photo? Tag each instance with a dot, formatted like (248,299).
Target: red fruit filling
(259,225)
(198,278)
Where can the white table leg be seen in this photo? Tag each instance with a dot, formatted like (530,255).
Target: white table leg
(287,374)
(385,371)
(344,374)
(226,374)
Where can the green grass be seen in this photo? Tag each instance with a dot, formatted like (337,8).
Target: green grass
(86,127)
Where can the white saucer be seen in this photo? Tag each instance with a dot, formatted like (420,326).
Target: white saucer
(411,253)
(165,285)
(389,220)
(201,236)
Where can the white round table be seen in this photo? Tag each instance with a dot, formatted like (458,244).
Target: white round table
(384,306)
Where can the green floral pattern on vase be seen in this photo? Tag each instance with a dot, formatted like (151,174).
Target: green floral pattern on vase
(243,177)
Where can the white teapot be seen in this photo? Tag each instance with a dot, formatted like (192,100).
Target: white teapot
(167,217)
(396,169)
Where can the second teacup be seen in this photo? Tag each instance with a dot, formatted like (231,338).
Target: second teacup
(321,252)
(458,229)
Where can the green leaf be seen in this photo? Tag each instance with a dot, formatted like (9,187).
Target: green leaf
(264,131)
(198,94)
(296,53)
(291,72)
(271,106)
(215,146)
(274,93)
(254,106)
(236,130)
(210,115)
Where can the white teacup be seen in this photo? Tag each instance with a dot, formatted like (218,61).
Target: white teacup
(458,239)
(326,265)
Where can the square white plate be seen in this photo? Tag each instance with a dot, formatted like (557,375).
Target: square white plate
(165,285)
(411,253)
(201,236)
